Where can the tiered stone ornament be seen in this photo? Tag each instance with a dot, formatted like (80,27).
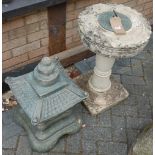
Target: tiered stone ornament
(46,97)
(97,35)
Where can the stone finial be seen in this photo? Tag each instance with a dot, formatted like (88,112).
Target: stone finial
(45,73)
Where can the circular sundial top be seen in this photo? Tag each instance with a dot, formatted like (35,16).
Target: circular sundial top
(104,20)
(97,35)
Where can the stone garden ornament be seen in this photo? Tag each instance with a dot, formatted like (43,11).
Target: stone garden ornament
(46,99)
(98,36)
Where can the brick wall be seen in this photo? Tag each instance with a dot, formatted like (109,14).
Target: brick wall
(74,7)
(25,39)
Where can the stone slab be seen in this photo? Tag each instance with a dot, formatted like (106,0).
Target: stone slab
(111,148)
(98,102)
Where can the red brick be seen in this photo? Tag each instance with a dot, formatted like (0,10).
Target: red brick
(139,8)
(16,33)
(131,4)
(69,40)
(32,18)
(26,48)
(14,61)
(75,23)
(37,16)
(82,3)
(95,1)
(73,44)
(70,16)
(43,15)
(6,55)
(44,41)
(76,38)
(36,59)
(14,43)
(147,11)
(148,5)
(44,24)
(10,25)
(5,37)
(70,7)
(69,25)
(38,52)
(71,32)
(119,1)
(34,27)
(37,35)
(140,2)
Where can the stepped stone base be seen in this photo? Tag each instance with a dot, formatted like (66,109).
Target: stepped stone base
(98,102)
(43,141)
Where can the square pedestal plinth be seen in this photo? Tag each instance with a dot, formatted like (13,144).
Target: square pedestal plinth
(98,102)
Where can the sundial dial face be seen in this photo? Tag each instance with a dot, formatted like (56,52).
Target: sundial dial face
(104,20)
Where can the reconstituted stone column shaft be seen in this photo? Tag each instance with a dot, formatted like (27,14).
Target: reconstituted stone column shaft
(100,80)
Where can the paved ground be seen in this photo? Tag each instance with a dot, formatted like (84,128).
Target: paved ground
(110,133)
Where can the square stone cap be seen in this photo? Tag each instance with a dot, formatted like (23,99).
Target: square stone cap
(42,108)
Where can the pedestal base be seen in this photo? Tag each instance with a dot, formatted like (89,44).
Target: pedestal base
(46,140)
(98,102)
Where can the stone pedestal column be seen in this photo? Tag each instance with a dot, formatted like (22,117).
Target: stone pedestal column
(100,80)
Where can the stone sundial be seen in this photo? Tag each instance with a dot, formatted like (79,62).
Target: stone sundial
(46,99)
(97,35)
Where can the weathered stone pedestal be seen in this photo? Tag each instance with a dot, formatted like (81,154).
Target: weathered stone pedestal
(101,101)
(97,35)
(100,80)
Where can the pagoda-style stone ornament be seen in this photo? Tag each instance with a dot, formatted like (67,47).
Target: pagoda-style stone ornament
(46,98)
(98,36)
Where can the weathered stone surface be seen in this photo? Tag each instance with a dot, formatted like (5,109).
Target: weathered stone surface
(55,153)
(23,147)
(88,147)
(118,110)
(36,153)
(137,123)
(74,143)
(137,69)
(10,143)
(111,148)
(11,130)
(126,62)
(104,121)
(122,70)
(99,133)
(7,117)
(97,102)
(144,143)
(101,41)
(8,152)
(132,136)
(133,80)
(60,146)
(118,122)
(119,135)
